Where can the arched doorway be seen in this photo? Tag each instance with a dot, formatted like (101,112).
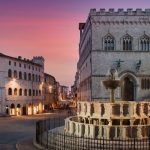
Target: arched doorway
(12,109)
(24,110)
(18,111)
(128,93)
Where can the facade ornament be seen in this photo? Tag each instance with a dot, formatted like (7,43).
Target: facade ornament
(138,65)
(118,63)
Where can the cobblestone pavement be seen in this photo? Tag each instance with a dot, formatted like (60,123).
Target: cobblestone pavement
(14,129)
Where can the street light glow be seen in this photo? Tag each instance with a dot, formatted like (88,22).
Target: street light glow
(14,79)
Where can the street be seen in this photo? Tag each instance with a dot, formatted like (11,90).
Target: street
(13,129)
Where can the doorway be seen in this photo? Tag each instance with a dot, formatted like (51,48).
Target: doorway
(24,110)
(128,89)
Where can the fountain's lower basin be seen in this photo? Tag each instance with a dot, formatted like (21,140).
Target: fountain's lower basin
(110,120)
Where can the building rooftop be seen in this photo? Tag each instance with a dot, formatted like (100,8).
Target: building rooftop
(19,58)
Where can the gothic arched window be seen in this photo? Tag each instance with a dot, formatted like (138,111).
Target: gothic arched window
(109,42)
(127,42)
(145,43)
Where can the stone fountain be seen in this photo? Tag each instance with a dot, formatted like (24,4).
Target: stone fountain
(114,119)
(97,120)
(112,84)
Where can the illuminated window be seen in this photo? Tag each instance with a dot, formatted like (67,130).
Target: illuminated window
(15,91)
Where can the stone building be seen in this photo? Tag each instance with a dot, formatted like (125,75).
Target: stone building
(115,39)
(21,85)
(49,90)
(64,91)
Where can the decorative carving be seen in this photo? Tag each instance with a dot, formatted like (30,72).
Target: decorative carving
(138,65)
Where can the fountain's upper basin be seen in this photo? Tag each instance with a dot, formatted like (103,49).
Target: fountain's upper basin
(112,84)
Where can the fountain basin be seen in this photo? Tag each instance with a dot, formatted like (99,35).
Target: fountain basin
(112,84)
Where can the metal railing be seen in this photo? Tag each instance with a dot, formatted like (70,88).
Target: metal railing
(51,139)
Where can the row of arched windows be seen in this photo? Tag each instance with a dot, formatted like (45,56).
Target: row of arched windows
(25,92)
(127,41)
(24,75)
(145,84)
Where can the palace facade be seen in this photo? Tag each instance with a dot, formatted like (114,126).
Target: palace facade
(114,39)
(22,86)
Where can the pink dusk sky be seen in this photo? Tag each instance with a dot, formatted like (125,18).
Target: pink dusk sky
(49,28)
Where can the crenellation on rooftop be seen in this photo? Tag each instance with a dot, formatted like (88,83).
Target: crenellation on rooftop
(120,11)
(147,11)
(129,11)
(93,11)
(102,11)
